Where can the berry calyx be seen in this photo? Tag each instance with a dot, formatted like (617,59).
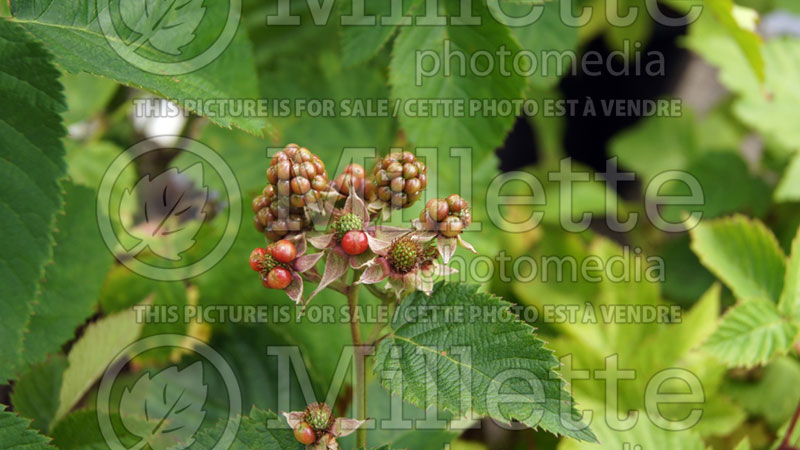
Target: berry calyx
(319,416)
(305,434)
(355,242)
(283,251)
(278,278)
(404,254)
(257,258)
(346,223)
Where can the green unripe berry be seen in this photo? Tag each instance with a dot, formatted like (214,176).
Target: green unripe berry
(319,416)
(404,254)
(347,222)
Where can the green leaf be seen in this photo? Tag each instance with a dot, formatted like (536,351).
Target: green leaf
(773,395)
(31,162)
(744,254)
(167,26)
(548,35)
(15,433)
(750,334)
(481,132)
(71,30)
(91,354)
(63,304)
(81,431)
(766,109)
(465,358)
(362,42)
(789,305)
(788,190)
(645,434)
(253,433)
(670,142)
(35,393)
(764,106)
(713,170)
(749,42)
(81,106)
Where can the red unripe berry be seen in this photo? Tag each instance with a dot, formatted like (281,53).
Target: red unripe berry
(278,278)
(451,227)
(355,242)
(256,256)
(438,209)
(284,251)
(305,434)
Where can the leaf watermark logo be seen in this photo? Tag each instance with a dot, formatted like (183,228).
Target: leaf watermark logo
(167,410)
(165,25)
(160,412)
(152,225)
(169,37)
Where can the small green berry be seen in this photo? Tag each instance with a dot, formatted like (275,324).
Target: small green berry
(347,222)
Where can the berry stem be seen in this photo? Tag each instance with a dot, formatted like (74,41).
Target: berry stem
(787,439)
(360,389)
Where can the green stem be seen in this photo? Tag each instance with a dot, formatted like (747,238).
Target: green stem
(360,388)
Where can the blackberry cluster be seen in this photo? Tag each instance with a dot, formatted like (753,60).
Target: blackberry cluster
(400,179)
(353,178)
(448,216)
(296,180)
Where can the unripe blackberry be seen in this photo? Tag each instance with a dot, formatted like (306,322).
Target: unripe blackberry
(347,222)
(354,178)
(448,216)
(319,416)
(404,254)
(296,180)
(400,179)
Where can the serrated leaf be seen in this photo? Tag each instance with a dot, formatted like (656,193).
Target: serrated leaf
(15,433)
(744,254)
(167,26)
(750,334)
(789,305)
(362,42)
(253,433)
(63,304)
(72,32)
(425,354)
(91,354)
(35,394)
(481,132)
(169,417)
(31,162)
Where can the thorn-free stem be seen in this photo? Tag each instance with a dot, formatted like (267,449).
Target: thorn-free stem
(360,389)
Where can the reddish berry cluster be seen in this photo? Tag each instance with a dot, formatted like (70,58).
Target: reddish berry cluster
(297,179)
(353,178)
(448,216)
(400,179)
(272,264)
